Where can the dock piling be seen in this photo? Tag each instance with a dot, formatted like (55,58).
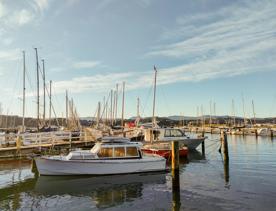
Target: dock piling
(176,204)
(175,176)
(175,155)
(203,144)
(224,145)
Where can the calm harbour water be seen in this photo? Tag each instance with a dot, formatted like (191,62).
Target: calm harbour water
(205,183)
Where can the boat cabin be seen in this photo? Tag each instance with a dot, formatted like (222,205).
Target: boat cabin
(113,148)
(160,134)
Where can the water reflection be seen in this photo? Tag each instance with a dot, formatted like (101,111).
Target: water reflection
(176,201)
(105,191)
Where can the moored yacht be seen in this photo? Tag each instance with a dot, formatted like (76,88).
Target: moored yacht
(161,135)
(111,155)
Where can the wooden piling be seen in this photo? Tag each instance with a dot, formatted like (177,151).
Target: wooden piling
(203,144)
(176,202)
(224,145)
(271,133)
(256,133)
(175,155)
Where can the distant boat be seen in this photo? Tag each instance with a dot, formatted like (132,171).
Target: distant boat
(112,155)
(161,135)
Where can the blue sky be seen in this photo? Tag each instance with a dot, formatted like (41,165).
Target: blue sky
(205,51)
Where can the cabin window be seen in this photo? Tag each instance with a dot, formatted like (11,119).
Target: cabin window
(176,133)
(156,134)
(167,133)
(105,152)
(131,152)
(119,152)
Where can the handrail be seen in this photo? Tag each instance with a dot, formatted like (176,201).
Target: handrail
(28,139)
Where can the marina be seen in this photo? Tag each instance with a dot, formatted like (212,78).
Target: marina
(204,183)
(138,105)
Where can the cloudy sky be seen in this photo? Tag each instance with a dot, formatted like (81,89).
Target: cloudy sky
(206,51)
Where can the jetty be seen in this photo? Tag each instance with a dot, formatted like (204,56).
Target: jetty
(29,144)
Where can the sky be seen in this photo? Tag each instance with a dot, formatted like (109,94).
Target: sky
(208,54)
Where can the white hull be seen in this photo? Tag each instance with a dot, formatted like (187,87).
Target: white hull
(48,166)
(191,143)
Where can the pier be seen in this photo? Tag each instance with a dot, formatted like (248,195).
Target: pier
(21,145)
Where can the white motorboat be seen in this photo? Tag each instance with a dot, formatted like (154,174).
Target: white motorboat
(111,155)
(172,134)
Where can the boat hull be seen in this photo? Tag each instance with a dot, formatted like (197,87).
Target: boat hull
(48,166)
(166,153)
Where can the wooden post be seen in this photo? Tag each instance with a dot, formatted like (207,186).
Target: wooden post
(39,135)
(175,155)
(70,139)
(203,144)
(226,171)
(176,204)
(271,133)
(256,133)
(224,146)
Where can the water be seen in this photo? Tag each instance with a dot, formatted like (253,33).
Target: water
(248,183)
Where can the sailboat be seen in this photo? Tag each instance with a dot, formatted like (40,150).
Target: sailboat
(158,140)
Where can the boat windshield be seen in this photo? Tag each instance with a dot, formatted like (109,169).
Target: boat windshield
(118,152)
(173,133)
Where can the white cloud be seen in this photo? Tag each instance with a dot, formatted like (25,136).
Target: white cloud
(231,41)
(86,64)
(40,5)
(96,83)
(10,55)
(21,17)
(2,10)
(12,16)
(7,41)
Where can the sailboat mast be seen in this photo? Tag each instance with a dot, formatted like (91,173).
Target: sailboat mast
(138,107)
(37,75)
(98,114)
(44,89)
(116,103)
(50,108)
(154,96)
(24,93)
(254,114)
(244,120)
(66,100)
(233,110)
(123,105)
(197,116)
(111,107)
(202,118)
(210,120)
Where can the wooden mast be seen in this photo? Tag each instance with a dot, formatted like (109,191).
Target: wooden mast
(24,93)
(37,75)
